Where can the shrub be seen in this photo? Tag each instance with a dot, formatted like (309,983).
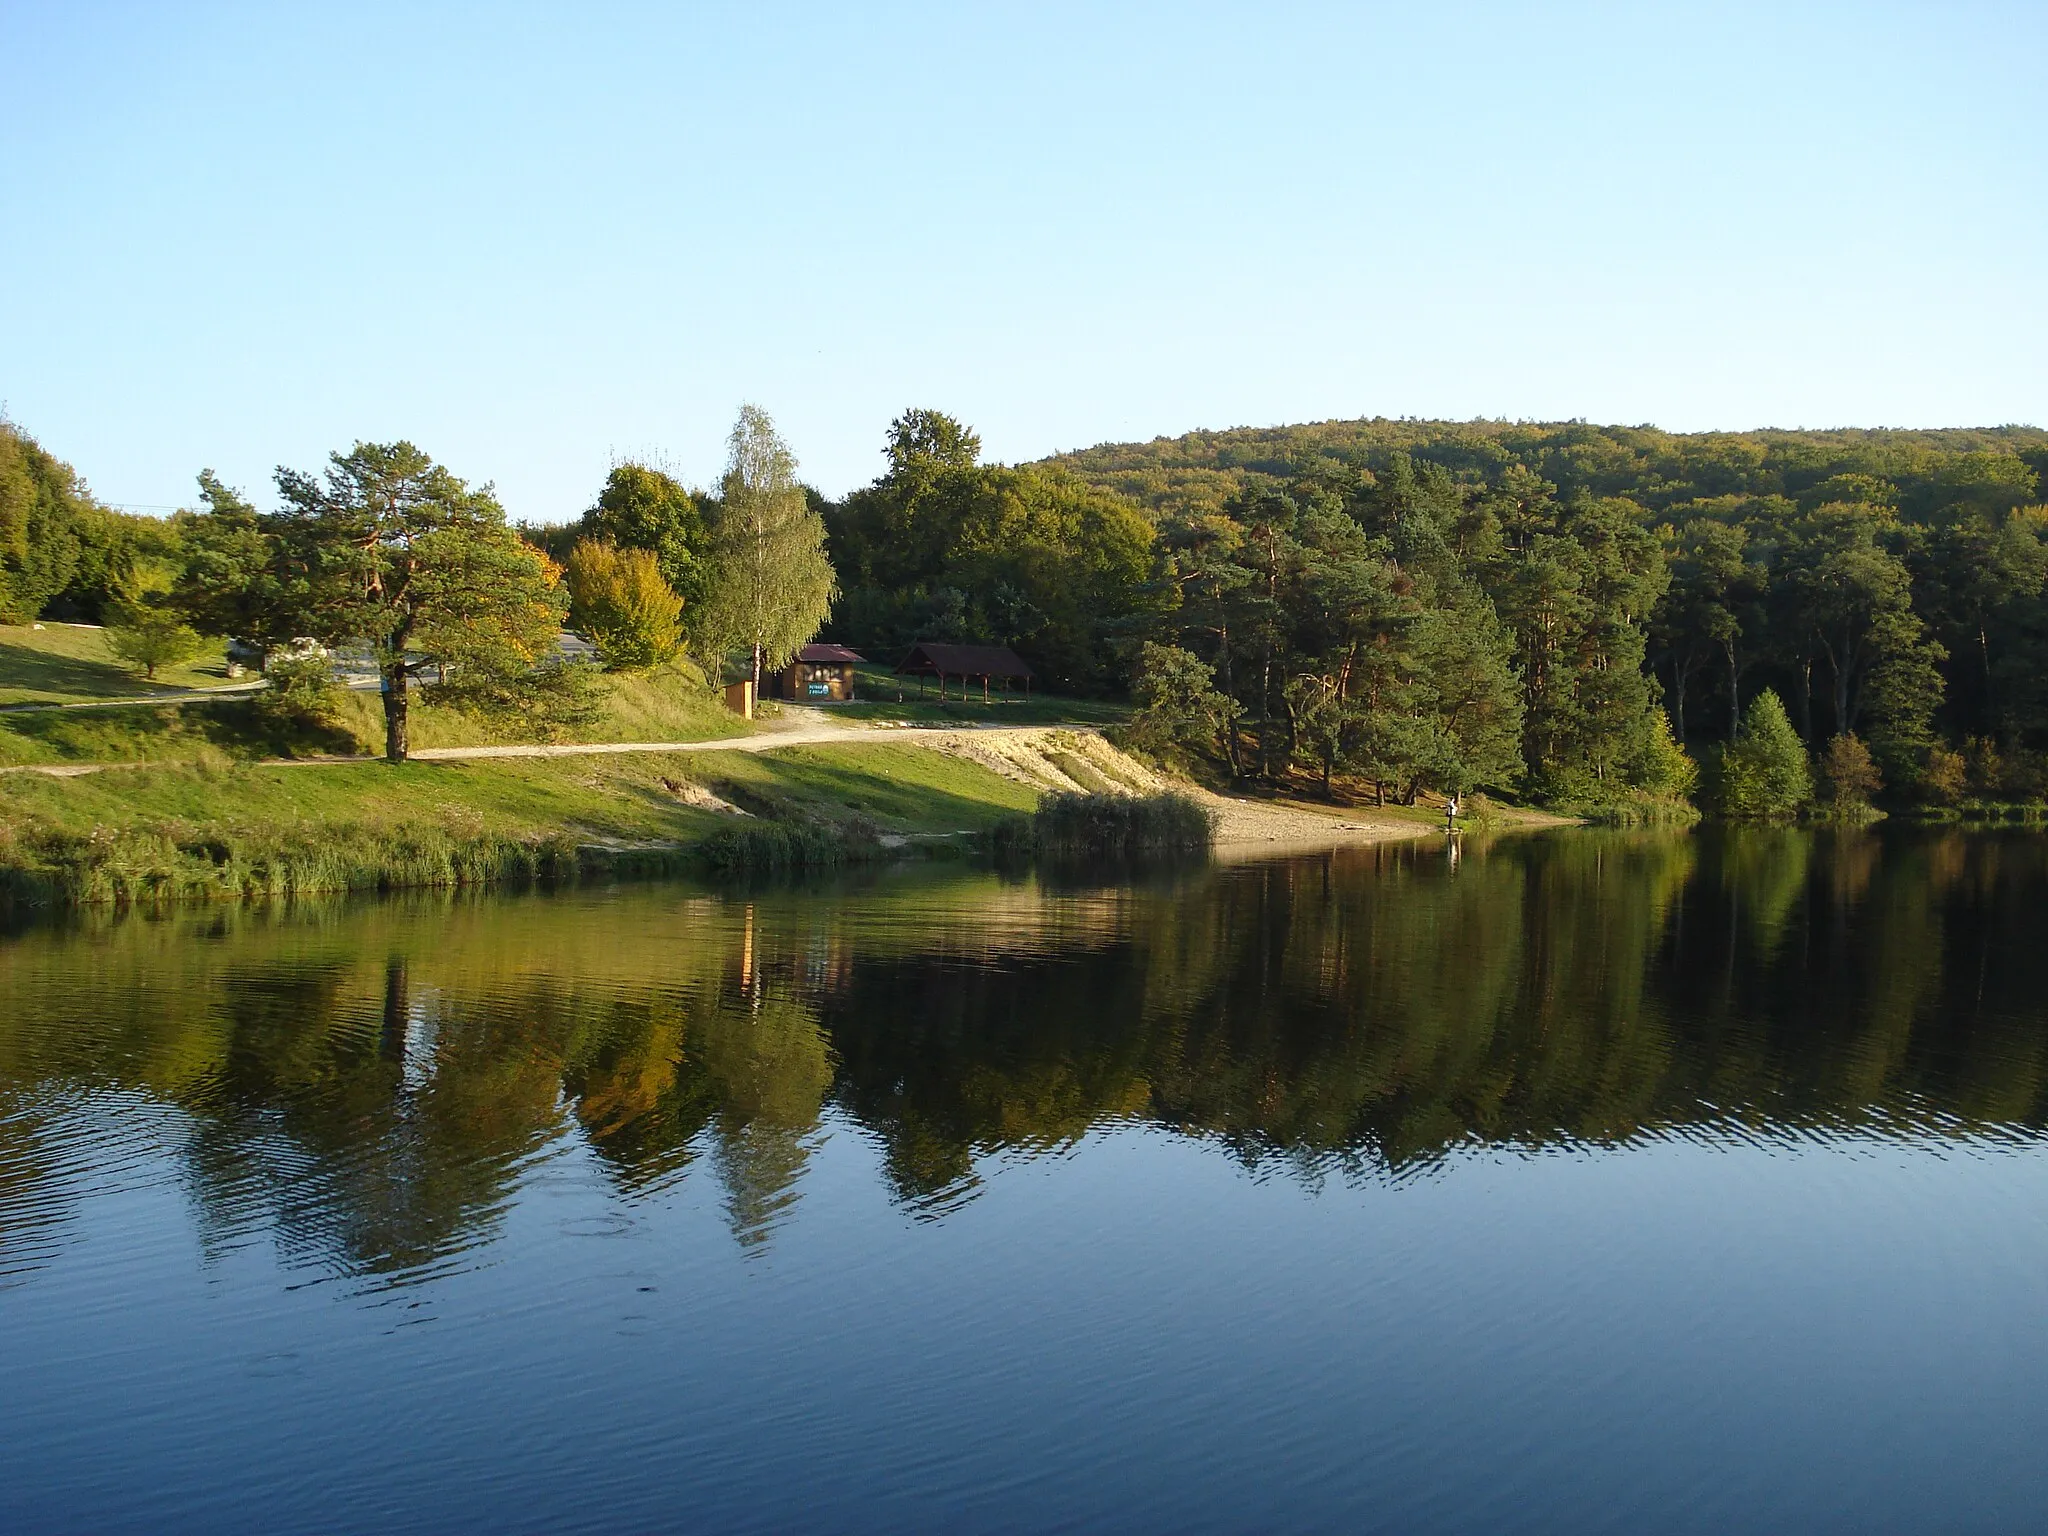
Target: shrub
(623,606)
(1849,773)
(1764,773)
(771,846)
(150,637)
(300,690)
(1944,777)
(1111,825)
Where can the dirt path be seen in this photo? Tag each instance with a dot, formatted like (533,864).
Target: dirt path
(1042,757)
(179,696)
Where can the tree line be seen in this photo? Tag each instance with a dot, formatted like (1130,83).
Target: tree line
(1589,616)
(389,553)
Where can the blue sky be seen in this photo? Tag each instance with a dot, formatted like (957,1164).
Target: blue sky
(533,238)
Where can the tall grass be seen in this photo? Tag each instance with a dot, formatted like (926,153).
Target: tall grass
(767,846)
(1110,826)
(145,866)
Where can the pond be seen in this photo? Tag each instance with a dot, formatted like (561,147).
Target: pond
(1579,1182)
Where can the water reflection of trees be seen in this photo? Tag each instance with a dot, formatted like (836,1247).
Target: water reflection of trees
(370,1083)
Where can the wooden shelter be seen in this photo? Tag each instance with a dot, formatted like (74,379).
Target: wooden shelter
(967,662)
(818,673)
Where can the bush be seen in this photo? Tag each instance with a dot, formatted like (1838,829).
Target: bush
(767,847)
(1110,825)
(300,691)
(623,606)
(149,637)
(1944,777)
(1849,773)
(1764,773)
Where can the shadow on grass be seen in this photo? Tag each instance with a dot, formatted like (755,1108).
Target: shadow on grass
(48,672)
(840,790)
(166,732)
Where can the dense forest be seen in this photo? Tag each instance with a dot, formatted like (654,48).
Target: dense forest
(1611,619)
(1459,605)
(63,555)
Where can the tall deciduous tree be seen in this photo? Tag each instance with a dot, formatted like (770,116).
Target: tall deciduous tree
(401,555)
(642,507)
(621,603)
(771,584)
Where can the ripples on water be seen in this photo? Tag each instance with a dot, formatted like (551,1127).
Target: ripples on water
(1595,1183)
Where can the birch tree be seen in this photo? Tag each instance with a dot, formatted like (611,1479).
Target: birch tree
(772,584)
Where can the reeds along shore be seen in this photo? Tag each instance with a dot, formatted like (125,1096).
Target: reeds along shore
(1110,825)
(136,867)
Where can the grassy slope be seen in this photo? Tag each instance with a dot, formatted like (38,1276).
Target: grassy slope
(61,663)
(672,705)
(598,799)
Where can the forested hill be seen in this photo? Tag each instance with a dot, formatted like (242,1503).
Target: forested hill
(1200,471)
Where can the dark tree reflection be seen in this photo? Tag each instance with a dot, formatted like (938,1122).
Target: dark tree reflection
(368,1084)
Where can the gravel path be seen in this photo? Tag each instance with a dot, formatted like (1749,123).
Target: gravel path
(1246,825)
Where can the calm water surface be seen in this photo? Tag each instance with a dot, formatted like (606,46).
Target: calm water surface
(1593,1182)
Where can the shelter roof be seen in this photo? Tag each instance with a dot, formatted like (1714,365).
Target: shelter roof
(815,653)
(930,657)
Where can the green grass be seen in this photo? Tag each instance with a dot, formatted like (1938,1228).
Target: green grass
(234,829)
(70,663)
(876,689)
(669,705)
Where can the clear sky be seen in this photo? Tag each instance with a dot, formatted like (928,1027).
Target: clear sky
(531,238)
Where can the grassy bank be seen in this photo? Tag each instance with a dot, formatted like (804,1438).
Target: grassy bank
(227,829)
(671,704)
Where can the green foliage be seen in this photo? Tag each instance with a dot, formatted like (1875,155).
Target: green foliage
(770,585)
(238,578)
(552,701)
(1180,711)
(300,699)
(41,506)
(148,636)
(643,508)
(1110,825)
(622,604)
(1849,774)
(1764,773)
(400,553)
(1886,584)
(771,847)
(942,547)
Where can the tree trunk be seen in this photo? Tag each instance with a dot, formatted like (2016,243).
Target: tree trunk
(397,1010)
(1984,656)
(1734,692)
(1806,699)
(397,743)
